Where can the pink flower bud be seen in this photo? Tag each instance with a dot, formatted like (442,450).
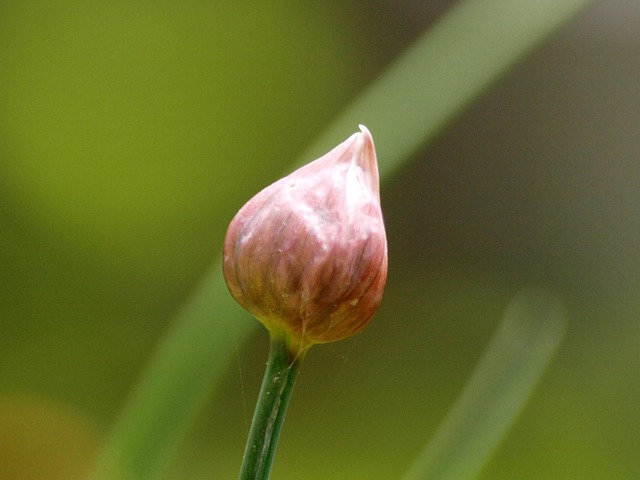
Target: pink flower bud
(307,255)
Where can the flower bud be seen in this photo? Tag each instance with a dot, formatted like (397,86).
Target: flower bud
(307,256)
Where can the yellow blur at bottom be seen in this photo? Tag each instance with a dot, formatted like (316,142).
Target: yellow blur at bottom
(43,440)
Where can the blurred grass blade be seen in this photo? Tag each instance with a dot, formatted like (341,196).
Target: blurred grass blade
(443,71)
(177,382)
(530,333)
(406,106)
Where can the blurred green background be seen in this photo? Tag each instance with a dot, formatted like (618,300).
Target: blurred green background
(131,132)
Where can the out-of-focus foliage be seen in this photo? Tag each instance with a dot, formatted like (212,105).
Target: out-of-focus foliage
(131,132)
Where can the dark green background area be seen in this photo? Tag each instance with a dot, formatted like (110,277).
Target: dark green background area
(131,132)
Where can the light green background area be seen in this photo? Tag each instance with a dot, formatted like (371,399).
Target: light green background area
(131,132)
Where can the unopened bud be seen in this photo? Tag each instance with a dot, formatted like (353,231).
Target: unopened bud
(307,256)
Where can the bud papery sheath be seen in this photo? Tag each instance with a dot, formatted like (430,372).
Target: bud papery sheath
(307,256)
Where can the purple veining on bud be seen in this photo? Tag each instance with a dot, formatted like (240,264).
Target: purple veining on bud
(307,255)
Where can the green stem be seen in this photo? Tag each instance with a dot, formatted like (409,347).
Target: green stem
(279,378)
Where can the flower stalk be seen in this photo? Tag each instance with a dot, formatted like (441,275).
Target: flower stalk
(279,378)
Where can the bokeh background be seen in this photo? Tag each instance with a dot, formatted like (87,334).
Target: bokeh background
(131,132)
